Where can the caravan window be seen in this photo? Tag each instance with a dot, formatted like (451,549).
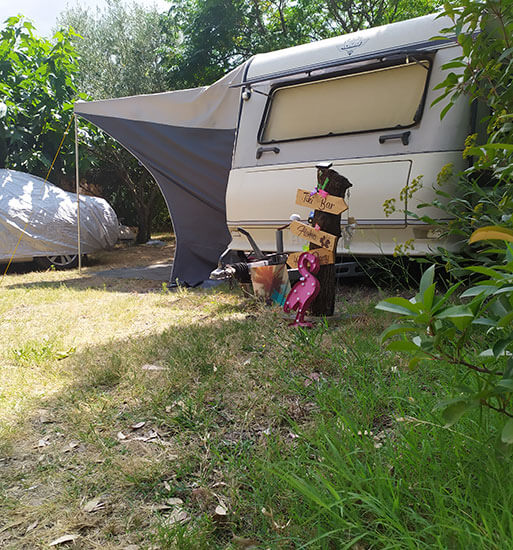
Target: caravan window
(385,98)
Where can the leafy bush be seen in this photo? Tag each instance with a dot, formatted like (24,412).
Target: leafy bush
(484,73)
(476,333)
(37,90)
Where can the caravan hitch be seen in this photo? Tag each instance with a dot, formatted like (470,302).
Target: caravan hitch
(240,270)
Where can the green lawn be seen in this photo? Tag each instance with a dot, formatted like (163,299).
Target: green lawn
(133,417)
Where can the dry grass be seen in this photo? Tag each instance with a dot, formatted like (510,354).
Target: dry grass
(74,390)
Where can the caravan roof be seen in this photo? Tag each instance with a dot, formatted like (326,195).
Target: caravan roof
(413,34)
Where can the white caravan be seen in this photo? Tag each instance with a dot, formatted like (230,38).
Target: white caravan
(361,101)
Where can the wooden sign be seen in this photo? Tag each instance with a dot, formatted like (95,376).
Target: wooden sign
(324,256)
(329,203)
(307,232)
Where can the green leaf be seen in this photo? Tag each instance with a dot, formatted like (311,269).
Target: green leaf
(440,302)
(414,362)
(403,345)
(506,384)
(506,320)
(398,305)
(477,290)
(497,146)
(429,296)
(440,97)
(508,371)
(427,280)
(460,316)
(488,271)
(507,432)
(454,412)
(503,290)
(499,308)
(453,65)
(446,109)
(500,346)
(395,329)
(484,321)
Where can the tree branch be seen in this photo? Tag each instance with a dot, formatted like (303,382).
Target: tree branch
(498,409)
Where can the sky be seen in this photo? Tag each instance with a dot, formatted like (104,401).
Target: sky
(43,13)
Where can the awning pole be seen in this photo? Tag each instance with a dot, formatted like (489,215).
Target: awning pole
(78,197)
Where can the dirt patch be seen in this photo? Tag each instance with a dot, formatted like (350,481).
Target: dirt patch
(132,256)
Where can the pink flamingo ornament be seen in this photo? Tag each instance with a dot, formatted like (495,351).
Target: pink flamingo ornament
(305,290)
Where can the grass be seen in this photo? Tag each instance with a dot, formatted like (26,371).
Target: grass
(198,419)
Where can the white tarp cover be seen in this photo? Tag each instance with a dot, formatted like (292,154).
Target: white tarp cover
(46,217)
(185,139)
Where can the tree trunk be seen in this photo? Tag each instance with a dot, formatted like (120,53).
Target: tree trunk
(3,152)
(337,185)
(144,214)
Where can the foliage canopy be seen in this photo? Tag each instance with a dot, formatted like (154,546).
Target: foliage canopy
(37,90)
(217,35)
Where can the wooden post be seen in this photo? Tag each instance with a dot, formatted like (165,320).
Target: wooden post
(336,185)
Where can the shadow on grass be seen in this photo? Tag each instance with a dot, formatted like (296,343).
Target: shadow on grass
(93,280)
(191,385)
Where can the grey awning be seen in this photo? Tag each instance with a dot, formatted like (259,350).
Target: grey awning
(185,139)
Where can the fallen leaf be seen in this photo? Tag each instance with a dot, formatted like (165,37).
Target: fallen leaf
(161,507)
(45,417)
(70,446)
(121,436)
(138,425)
(276,526)
(221,510)
(167,487)
(174,501)
(32,526)
(153,367)
(279,527)
(152,435)
(93,505)
(44,441)
(63,539)
(178,515)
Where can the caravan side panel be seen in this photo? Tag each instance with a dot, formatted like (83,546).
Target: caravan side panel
(377,127)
